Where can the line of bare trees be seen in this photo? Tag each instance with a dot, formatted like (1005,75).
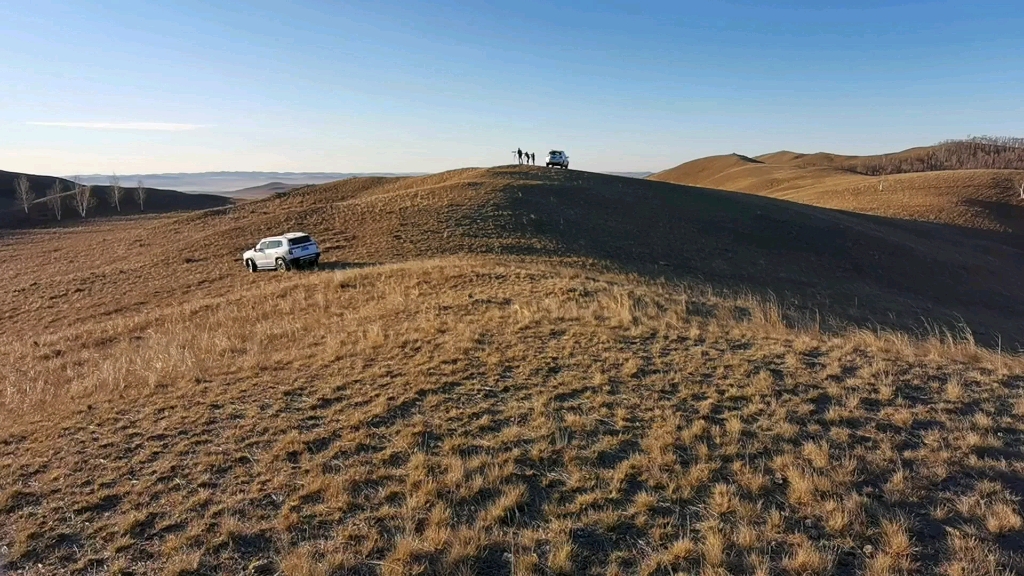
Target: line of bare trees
(80,196)
(974,153)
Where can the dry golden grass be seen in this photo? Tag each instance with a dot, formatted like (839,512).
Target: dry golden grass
(436,416)
(476,414)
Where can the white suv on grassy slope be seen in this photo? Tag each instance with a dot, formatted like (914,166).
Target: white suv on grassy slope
(558,158)
(291,250)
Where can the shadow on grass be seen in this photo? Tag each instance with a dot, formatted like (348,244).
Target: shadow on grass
(854,269)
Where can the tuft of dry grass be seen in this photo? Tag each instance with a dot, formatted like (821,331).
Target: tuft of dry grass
(807,558)
(1002,518)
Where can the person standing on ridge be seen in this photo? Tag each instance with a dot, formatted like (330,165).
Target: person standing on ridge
(519,152)
(533,158)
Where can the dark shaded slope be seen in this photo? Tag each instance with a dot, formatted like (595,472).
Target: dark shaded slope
(857,267)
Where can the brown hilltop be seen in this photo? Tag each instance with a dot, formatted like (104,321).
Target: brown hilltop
(496,374)
(743,174)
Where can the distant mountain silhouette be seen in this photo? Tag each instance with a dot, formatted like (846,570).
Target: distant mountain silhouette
(629,174)
(226,182)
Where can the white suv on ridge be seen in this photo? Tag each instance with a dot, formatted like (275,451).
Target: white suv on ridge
(558,158)
(284,252)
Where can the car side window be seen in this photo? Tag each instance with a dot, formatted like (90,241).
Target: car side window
(264,245)
(275,244)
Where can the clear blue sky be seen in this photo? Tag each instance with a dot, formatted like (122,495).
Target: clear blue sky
(96,87)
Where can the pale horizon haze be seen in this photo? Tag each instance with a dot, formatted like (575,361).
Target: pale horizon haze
(402,86)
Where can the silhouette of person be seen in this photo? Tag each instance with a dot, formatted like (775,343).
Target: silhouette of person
(519,152)
(533,158)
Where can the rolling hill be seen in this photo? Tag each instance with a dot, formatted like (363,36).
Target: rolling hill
(263,190)
(512,370)
(982,199)
(157,201)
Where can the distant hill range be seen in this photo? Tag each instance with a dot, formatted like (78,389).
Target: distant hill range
(629,174)
(972,183)
(230,183)
(157,200)
(250,184)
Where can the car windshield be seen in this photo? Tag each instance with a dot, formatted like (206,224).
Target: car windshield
(299,240)
(554,153)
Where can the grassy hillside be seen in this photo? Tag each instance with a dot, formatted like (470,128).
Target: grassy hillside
(745,174)
(981,199)
(847,267)
(497,373)
(157,201)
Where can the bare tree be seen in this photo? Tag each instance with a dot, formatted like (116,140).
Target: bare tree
(82,198)
(115,192)
(54,198)
(23,192)
(140,195)
(881,173)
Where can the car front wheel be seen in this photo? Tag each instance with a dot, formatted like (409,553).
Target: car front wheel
(251,266)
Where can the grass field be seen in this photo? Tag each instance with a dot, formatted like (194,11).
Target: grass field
(511,371)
